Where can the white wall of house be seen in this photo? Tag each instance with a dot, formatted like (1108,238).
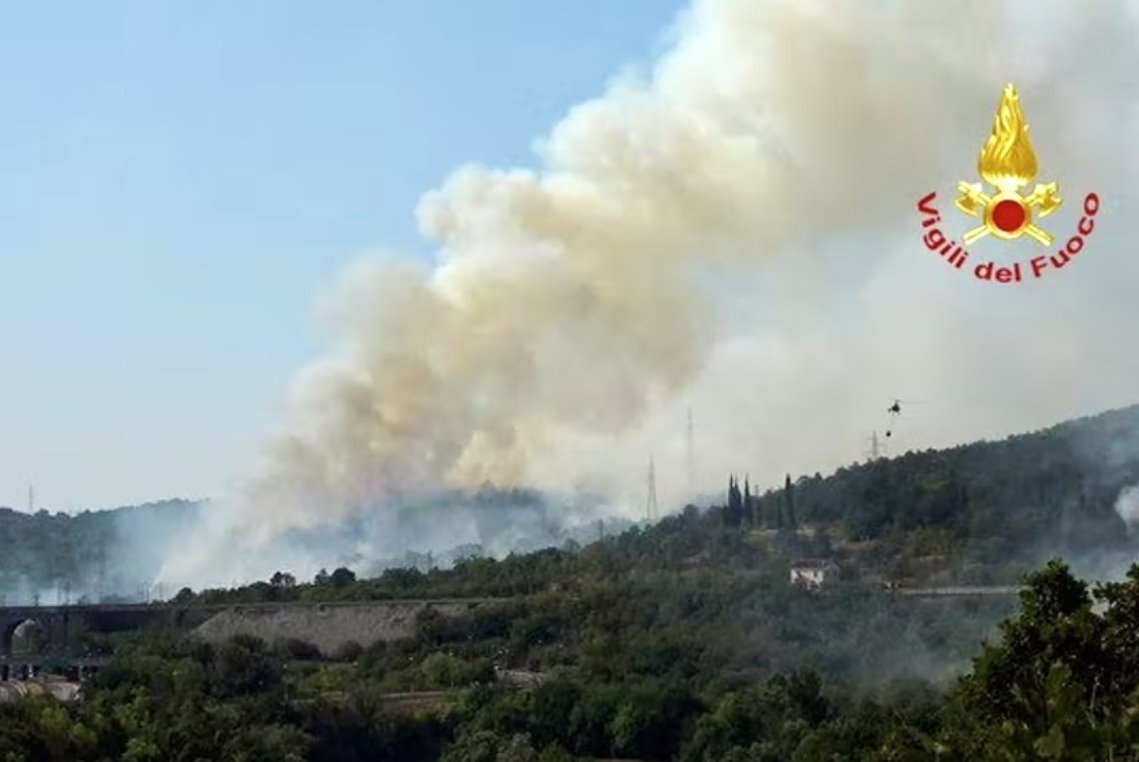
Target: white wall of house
(811,577)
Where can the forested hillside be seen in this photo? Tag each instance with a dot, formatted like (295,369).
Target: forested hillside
(688,640)
(1012,503)
(1057,683)
(719,576)
(982,513)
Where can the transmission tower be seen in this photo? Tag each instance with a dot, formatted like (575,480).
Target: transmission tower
(691,453)
(652,508)
(101,573)
(875,447)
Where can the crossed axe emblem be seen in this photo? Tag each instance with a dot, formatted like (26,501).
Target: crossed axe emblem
(1008,214)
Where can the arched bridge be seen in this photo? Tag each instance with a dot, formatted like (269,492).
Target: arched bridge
(59,630)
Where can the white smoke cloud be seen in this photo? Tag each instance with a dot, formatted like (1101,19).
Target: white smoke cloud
(1127,506)
(736,234)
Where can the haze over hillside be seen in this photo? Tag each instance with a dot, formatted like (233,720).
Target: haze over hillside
(987,505)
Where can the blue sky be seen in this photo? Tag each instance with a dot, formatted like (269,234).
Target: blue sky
(178,180)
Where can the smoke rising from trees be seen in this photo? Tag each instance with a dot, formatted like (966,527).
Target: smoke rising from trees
(733,232)
(1127,506)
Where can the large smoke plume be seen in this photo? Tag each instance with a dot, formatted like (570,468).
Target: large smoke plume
(736,232)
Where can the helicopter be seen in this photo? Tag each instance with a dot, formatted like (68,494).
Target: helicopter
(895,410)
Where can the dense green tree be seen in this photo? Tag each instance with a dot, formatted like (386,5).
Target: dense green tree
(342,577)
(282,579)
(1061,684)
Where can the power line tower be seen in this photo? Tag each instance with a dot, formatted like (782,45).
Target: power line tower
(875,448)
(691,453)
(101,571)
(652,508)
(31,498)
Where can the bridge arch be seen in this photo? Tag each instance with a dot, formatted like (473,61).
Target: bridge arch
(23,637)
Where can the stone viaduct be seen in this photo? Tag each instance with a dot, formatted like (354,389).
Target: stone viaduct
(34,637)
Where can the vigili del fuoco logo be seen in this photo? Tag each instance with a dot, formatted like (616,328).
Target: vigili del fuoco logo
(1007,163)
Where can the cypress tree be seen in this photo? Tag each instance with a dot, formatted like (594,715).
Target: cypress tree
(748,516)
(728,502)
(789,498)
(735,505)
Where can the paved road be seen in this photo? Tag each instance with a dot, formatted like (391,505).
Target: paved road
(959,590)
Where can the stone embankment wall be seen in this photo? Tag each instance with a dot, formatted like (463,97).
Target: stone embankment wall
(61,690)
(328,626)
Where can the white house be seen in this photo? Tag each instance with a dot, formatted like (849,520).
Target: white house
(813,572)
